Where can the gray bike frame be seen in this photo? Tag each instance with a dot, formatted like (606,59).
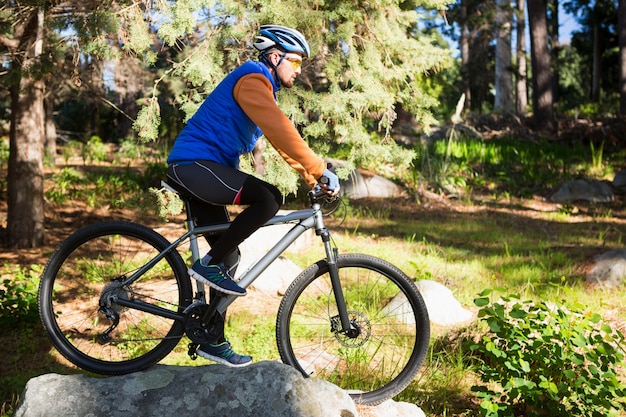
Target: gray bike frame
(303,219)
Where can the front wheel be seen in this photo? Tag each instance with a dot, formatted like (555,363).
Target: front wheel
(390,336)
(84,278)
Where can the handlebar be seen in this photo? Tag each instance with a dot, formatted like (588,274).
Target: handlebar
(316,193)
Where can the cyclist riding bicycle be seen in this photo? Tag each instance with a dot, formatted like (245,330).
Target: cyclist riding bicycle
(204,161)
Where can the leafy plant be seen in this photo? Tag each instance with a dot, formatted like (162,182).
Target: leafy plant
(64,185)
(71,149)
(4,152)
(18,296)
(94,150)
(546,360)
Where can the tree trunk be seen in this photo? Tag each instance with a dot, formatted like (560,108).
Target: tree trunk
(129,86)
(540,62)
(521,86)
(504,80)
(25,217)
(555,49)
(50,144)
(465,76)
(597,67)
(621,13)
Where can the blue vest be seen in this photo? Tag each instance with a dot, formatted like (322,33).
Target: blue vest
(220,131)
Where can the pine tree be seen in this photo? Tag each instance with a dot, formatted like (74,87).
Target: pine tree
(367,60)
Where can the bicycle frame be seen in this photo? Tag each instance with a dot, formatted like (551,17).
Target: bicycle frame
(304,220)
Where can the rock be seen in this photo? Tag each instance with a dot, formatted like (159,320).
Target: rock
(443,308)
(609,269)
(391,409)
(363,184)
(264,389)
(619,182)
(583,189)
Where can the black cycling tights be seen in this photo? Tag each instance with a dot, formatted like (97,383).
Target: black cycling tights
(217,184)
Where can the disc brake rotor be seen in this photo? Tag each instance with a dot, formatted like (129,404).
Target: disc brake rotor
(361,330)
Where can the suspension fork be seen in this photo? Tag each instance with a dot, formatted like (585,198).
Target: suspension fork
(332,255)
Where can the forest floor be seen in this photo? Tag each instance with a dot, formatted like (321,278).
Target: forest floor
(37,358)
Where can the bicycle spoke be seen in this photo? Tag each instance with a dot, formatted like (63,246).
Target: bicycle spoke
(81,286)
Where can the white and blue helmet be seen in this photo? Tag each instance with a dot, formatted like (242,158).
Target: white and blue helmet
(284,38)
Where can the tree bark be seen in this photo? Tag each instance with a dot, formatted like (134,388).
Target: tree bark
(504,79)
(25,216)
(543,113)
(129,86)
(50,144)
(621,13)
(597,66)
(465,76)
(521,86)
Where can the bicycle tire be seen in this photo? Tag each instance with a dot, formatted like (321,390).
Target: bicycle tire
(86,266)
(394,328)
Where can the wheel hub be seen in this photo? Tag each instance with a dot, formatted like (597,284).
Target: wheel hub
(359,332)
(112,292)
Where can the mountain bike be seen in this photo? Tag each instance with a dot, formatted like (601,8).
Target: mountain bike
(115,297)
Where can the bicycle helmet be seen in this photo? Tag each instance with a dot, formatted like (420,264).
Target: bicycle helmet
(289,40)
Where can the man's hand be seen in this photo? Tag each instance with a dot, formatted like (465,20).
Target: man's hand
(329,182)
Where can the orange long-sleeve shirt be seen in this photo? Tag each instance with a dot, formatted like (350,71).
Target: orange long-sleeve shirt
(253,93)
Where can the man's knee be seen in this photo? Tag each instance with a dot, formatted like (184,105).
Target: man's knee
(258,191)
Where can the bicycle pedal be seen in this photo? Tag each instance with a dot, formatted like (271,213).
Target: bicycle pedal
(193,351)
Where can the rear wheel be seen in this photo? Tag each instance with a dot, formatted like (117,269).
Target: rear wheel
(387,347)
(80,286)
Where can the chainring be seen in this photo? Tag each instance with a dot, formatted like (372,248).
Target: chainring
(199,332)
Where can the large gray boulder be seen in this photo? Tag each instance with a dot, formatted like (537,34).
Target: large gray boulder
(443,307)
(264,389)
(619,181)
(365,184)
(583,189)
(609,269)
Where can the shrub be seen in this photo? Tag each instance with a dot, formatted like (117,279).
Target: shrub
(18,297)
(544,360)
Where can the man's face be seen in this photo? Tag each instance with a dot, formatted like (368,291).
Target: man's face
(289,68)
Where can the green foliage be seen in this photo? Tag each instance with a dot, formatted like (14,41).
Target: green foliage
(4,160)
(368,58)
(4,152)
(148,120)
(114,188)
(166,202)
(277,172)
(94,150)
(541,359)
(18,296)
(64,185)
(506,165)
(92,28)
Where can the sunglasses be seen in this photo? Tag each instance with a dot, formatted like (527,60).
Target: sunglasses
(296,63)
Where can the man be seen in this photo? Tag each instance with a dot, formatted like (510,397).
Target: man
(205,159)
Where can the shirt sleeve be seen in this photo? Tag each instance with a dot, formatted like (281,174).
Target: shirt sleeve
(253,93)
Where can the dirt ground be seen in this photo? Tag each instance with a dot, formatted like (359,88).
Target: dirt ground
(62,220)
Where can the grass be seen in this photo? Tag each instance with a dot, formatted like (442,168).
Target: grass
(496,234)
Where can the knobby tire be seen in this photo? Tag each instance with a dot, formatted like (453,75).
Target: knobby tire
(92,262)
(386,307)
